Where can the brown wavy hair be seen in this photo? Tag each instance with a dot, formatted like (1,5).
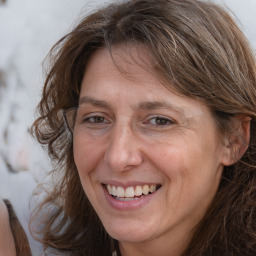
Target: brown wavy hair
(199,51)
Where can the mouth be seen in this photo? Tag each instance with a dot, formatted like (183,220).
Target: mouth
(131,193)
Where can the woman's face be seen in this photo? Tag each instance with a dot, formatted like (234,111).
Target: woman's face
(149,160)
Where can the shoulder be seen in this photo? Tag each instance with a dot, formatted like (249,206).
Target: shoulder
(7,245)
(18,234)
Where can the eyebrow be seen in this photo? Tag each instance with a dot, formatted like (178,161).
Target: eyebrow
(147,105)
(90,100)
(157,104)
(160,105)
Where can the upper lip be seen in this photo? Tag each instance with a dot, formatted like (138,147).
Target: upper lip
(129,184)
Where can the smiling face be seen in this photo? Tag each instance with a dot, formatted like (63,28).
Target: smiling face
(149,160)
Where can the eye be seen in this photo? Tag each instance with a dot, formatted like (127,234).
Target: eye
(95,120)
(160,121)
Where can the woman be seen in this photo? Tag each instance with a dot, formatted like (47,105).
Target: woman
(158,157)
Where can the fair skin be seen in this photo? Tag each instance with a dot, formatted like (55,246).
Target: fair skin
(7,245)
(131,132)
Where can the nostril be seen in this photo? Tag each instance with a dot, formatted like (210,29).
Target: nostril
(123,159)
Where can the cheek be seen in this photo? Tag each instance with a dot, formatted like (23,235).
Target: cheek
(85,158)
(188,164)
(172,159)
(193,175)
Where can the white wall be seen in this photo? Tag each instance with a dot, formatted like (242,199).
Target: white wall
(28,28)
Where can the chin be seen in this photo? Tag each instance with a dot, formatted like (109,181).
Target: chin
(129,232)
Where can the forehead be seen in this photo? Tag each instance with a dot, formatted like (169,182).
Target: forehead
(129,66)
(128,78)
(126,59)
(124,69)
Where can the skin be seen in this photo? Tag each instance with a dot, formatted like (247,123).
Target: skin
(7,245)
(132,130)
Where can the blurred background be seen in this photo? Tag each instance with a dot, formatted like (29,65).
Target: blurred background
(28,29)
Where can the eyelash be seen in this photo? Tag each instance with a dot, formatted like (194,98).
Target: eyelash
(154,121)
(95,120)
(160,121)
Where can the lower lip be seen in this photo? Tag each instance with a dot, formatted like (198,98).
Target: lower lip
(128,205)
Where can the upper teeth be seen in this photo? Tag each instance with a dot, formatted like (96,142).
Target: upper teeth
(130,191)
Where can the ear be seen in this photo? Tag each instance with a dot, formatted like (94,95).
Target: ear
(237,141)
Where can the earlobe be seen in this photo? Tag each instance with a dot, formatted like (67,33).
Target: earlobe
(237,141)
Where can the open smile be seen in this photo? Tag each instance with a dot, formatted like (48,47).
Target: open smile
(132,192)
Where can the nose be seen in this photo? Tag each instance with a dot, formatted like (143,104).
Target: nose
(124,151)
